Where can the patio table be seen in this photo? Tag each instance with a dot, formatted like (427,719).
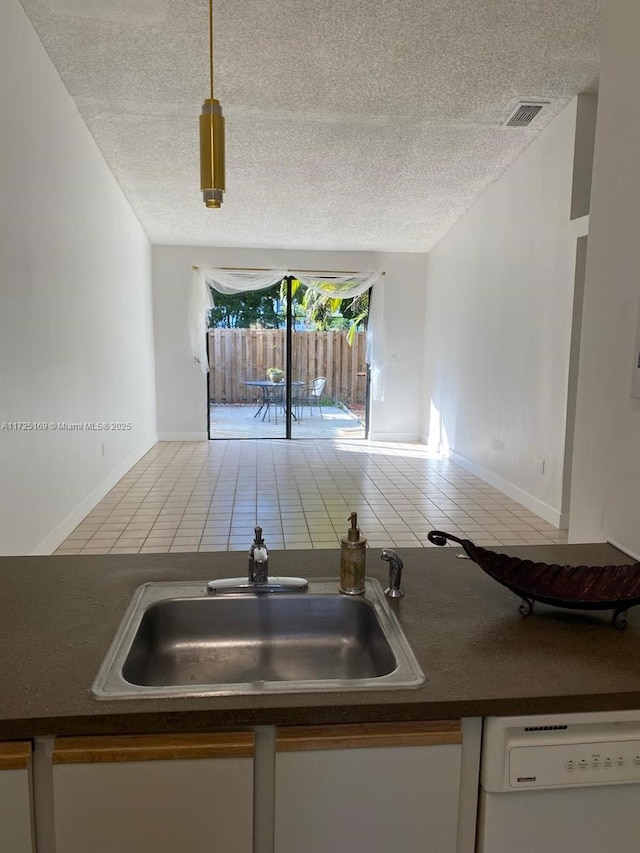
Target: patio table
(272,395)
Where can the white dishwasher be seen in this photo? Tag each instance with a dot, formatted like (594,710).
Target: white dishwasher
(566,783)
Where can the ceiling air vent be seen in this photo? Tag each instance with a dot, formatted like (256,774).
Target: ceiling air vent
(523,114)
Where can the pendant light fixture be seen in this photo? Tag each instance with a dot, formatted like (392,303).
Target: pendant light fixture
(211,139)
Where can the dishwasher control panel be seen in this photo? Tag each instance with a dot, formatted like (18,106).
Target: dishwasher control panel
(560,751)
(609,762)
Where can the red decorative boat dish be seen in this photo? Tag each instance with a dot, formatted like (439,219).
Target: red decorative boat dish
(614,588)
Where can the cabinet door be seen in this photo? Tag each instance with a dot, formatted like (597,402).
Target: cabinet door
(16,825)
(161,794)
(368,788)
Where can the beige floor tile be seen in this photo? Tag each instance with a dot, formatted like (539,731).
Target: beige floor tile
(208,496)
(407,541)
(537,540)
(101,540)
(85,529)
(543,526)
(136,530)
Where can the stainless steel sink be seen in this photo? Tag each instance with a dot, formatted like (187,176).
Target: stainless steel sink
(175,640)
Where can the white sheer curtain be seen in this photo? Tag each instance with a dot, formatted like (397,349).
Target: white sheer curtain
(339,286)
(224,281)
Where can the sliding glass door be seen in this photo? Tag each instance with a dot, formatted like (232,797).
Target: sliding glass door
(329,371)
(247,341)
(287,363)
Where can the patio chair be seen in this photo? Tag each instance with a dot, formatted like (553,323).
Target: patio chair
(273,401)
(310,395)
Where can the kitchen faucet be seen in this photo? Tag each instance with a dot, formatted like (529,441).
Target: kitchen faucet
(257,580)
(258,559)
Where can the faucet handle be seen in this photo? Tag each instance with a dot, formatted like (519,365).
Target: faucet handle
(258,541)
(260,554)
(394,589)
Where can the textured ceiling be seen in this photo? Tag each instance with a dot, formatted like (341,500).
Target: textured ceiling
(351,124)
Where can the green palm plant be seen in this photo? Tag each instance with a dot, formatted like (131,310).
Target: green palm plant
(320,309)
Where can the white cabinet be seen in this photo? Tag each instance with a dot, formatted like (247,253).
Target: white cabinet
(165,793)
(368,788)
(16,825)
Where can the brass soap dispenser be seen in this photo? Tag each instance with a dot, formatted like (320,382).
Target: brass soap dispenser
(353,553)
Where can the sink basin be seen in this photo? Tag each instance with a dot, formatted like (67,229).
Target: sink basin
(175,640)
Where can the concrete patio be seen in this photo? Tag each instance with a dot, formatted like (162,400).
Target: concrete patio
(239,421)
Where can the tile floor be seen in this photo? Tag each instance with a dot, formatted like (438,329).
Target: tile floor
(208,496)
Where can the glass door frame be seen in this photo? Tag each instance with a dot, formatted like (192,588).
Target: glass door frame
(288,435)
(288,361)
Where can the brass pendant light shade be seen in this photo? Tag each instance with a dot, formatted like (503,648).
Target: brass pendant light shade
(212,182)
(212,153)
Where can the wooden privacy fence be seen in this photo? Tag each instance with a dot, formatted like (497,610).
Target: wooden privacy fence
(238,355)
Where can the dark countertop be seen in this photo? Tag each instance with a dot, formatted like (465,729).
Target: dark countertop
(59,614)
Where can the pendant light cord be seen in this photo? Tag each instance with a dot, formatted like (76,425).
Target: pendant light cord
(211,44)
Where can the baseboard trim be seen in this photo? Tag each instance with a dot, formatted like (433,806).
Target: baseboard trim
(553,516)
(402,437)
(57,536)
(182,436)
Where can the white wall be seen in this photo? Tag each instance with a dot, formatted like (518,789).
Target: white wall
(76,333)
(606,463)
(181,387)
(498,325)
